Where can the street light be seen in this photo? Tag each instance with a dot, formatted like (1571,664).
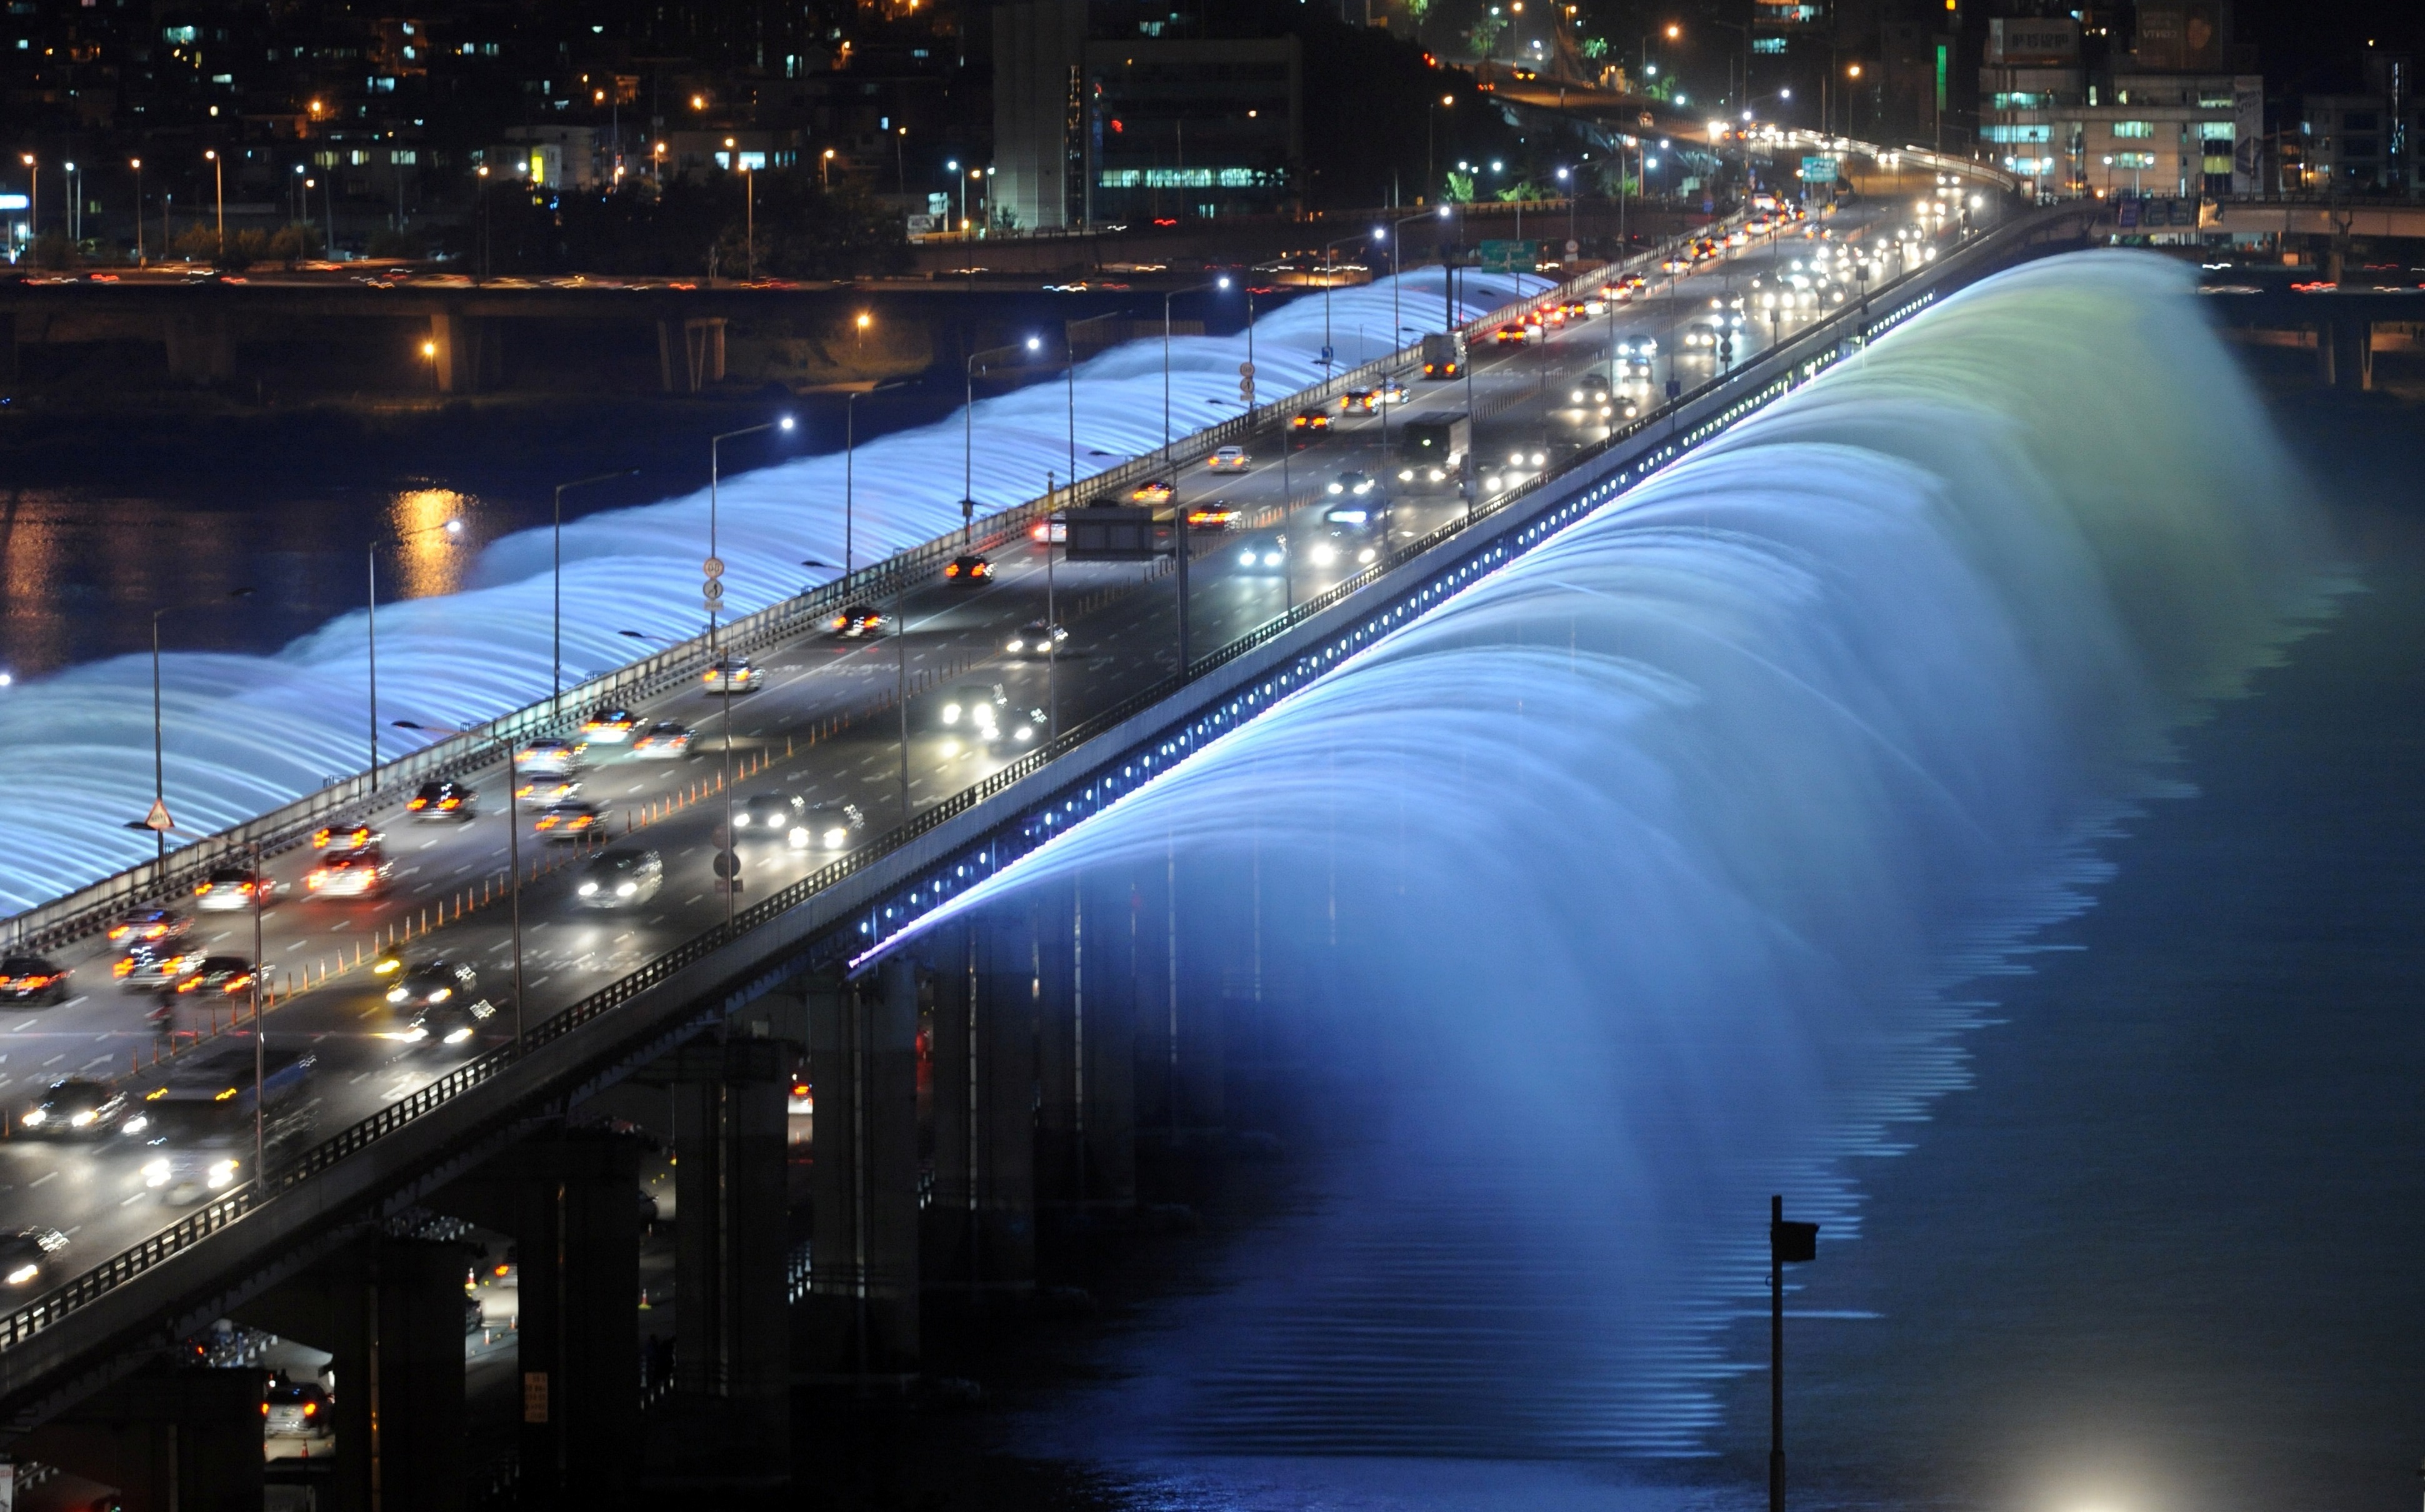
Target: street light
(555,609)
(137,164)
(1397,325)
(1431,113)
(156,821)
(219,177)
(714,568)
(1329,274)
(451,528)
(33,196)
(825,165)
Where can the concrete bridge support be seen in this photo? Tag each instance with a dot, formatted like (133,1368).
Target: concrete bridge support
(980,1225)
(571,1201)
(729,1420)
(459,354)
(859,1321)
(200,347)
(169,1440)
(1087,1035)
(2345,354)
(391,1311)
(690,354)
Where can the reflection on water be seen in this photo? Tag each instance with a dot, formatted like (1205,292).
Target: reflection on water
(81,570)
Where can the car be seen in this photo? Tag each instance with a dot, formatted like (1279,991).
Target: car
(1351,483)
(1701,336)
(215,976)
(450,1022)
(1358,402)
(621,879)
(152,968)
(1574,310)
(857,622)
(361,873)
(1233,458)
(31,978)
(1153,491)
(537,793)
(766,815)
(829,827)
(665,740)
(730,673)
(28,1255)
(570,820)
(609,726)
(967,569)
(443,800)
(75,1107)
(1269,556)
(435,980)
(1053,530)
(1310,420)
(1036,638)
(1392,391)
(1213,515)
(344,838)
(1509,335)
(229,888)
(149,926)
(549,758)
(1520,466)
(295,1410)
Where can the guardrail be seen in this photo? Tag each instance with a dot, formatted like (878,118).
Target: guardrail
(1825,337)
(150,883)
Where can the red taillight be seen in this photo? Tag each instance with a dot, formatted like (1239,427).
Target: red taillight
(418,804)
(311,1408)
(189,985)
(450,802)
(122,968)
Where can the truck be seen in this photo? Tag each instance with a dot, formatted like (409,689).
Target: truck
(1435,450)
(197,1125)
(1444,354)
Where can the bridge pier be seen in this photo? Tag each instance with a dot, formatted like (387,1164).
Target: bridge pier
(729,1421)
(391,1311)
(690,355)
(2345,354)
(859,1320)
(980,1226)
(200,348)
(571,1200)
(169,1441)
(1085,1137)
(459,351)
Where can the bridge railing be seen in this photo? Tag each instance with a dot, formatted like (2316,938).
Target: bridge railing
(152,884)
(1811,351)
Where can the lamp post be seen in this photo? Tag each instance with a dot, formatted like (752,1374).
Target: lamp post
(219,180)
(824,168)
(1431,113)
(33,196)
(483,172)
(555,606)
(714,569)
(513,865)
(137,164)
(1177,510)
(1329,276)
(451,528)
(159,756)
(75,203)
(1397,325)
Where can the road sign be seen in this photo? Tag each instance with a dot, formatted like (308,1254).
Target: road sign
(712,590)
(1247,390)
(1818,170)
(1573,247)
(1246,370)
(158,819)
(713,567)
(1504,256)
(727,865)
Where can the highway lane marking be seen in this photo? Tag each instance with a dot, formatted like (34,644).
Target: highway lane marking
(55,1061)
(131,1201)
(48,1175)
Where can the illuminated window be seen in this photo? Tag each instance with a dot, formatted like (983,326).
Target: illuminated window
(2134,160)
(2133,128)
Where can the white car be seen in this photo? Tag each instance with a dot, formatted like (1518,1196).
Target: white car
(1232,459)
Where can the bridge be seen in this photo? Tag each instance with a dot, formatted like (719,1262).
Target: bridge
(706,1018)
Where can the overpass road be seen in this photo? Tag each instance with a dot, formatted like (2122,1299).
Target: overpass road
(824,726)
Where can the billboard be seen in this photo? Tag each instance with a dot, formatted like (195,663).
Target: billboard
(2033,42)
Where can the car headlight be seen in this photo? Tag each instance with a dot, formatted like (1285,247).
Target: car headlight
(136,1124)
(1323,556)
(1025,732)
(387,968)
(459,1035)
(397,995)
(1406,474)
(741,821)
(1016,646)
(81,1119)
(220,1173)
(1245,559)
(1576,397)
(835,837)
(23,1274)
(588,890)
(415,1034)
(1272,560)
(442,994)
(34,1118)
(1366,555)
(155,1174)
(951,713)
(625,889)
